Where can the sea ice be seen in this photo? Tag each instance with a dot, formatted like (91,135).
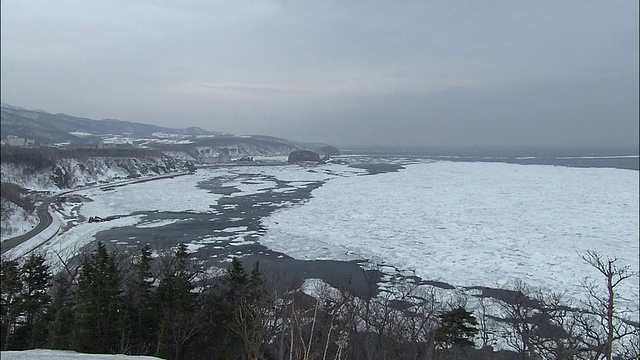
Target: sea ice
(472,224)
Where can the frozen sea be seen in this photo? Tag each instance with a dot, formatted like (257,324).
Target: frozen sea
(472,223)
(464,223)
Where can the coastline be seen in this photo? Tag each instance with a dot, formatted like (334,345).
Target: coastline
(234,224)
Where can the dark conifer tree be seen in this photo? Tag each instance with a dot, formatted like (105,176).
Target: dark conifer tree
(61,313)
(140,321)
(35,276)
(244,302)
(457,327)
(179,322)
(99,303)
(251,317)
(256,285)
(10,300)
(237,282)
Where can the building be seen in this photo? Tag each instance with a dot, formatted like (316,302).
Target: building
(19,142)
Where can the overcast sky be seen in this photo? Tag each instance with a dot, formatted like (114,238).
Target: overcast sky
(343,72)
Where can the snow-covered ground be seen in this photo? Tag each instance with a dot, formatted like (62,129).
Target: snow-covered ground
(39,354)
(473,224)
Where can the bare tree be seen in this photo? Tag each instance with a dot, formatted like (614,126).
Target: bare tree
(488,336)
(612,325)
(517,326)
(256,324)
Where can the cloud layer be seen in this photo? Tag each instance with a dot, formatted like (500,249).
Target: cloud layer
(346,72)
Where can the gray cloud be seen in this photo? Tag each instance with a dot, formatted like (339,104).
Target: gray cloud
(346,72)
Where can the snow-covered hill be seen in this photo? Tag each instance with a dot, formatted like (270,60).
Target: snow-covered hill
(52,128)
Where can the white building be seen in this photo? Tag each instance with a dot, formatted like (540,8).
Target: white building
(18,141)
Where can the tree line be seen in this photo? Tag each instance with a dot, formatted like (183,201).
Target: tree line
(167,305)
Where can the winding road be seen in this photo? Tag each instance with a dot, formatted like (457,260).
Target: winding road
(45,219)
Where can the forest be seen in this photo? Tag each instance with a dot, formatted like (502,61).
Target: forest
(165,304)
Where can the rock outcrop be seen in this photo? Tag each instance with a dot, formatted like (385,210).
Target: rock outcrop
(303,156)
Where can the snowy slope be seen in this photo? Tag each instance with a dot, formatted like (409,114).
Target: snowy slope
(15,220)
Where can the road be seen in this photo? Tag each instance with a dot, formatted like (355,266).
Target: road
(45,218)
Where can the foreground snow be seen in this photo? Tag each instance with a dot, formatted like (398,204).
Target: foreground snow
(65,355)
(473,224)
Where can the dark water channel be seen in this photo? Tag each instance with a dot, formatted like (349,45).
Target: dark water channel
(234,227)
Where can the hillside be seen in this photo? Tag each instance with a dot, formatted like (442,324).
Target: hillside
(49,128)
(190,143)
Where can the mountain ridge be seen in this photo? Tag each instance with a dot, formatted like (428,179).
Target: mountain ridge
(18,121)
(49,129)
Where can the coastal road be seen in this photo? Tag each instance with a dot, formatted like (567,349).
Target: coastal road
(45,219)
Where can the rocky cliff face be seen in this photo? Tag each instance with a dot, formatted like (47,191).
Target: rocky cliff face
(229,147)
(69,173)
